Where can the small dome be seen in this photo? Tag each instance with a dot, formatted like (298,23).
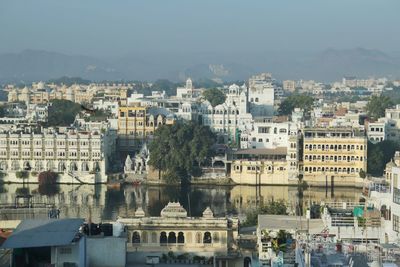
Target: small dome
(173,210)
(207,213)
(139,212)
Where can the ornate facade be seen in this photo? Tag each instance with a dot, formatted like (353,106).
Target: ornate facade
(175,231)
(75,153)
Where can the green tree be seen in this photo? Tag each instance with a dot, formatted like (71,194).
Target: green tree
(377,105)
(2,111)
(296,101)
(272,207)
(22,174)
(180,150)
(214,96)
(62,112)
(379,155)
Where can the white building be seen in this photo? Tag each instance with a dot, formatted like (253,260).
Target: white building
(376,131)
(229,117)
(261,95)
(78,156)
(188,91)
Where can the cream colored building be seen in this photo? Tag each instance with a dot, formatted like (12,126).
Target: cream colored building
(80,155)
(263,167)
(289,85)
(334,155)
(175,231)
(137,123)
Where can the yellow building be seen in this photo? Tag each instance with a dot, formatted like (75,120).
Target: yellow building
(261,167)
(137,123)
(334,156)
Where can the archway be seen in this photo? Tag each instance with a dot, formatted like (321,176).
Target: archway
(171,238)
(181,238)
(73,167)
(163,238)
(27,166)
(61,166)
(207,238)
(135,238)
(50,165)
(3,166)
(85,167)
(14,165)
(247,262)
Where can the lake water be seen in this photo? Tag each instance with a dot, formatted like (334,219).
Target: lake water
(102,203)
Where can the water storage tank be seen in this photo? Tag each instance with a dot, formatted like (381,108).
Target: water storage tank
(118,229)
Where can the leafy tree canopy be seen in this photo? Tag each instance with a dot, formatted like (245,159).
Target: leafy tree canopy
(62,112)
(394,94)
(2,111)
(377,105)
(272,207)
(296,101)
(379,155)
(179,150)
(214,96)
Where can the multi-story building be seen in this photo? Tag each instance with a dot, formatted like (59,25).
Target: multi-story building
(393,122)
(337,155)
(175,231)
(80,155)
(289,85)
(261,95)
(137,123)
(376,131)
(263,167)
(188,92)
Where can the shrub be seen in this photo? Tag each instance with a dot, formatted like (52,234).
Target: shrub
(47,177)
(22,174)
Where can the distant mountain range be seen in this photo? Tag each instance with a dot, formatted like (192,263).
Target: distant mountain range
(329,65)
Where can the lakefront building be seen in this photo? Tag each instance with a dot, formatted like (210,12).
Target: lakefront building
(334,156)
(137,123)
(175,231)
(78,156)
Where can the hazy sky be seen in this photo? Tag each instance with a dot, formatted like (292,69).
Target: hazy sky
(118,27)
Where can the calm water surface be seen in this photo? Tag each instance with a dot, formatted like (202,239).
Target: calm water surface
(102,203)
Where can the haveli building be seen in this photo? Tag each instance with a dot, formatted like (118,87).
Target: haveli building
(78,156)
(334,155)
(175,231)
(137,123)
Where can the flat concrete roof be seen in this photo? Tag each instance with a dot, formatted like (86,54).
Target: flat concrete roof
(288,222)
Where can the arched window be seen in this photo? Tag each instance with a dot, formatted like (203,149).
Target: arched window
(61,166)
(163,238)
(181,238)
(207,238)
(27,166)
(135,237)
(85,167)
(73,167)
(171,238)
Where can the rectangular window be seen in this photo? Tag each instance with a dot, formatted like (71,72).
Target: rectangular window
(396,220)
(396,195)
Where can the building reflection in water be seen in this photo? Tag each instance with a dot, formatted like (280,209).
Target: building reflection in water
(102,203)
